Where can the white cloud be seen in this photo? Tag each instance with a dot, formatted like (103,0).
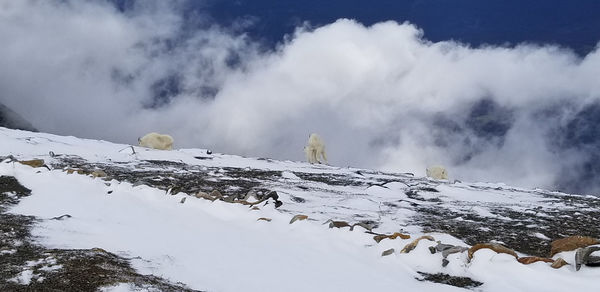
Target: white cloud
(86,69)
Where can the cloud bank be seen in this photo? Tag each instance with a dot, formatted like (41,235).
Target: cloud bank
(380,96)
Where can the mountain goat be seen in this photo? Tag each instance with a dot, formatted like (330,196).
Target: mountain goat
(156,141)
(315,149)
(437,172)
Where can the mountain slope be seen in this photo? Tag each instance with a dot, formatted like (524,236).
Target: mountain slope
(138,207)
(12,120)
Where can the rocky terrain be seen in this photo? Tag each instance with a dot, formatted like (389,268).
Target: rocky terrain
(523,220)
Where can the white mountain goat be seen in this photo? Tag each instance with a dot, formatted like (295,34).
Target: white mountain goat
(156,141)
(437,172)
(315,149)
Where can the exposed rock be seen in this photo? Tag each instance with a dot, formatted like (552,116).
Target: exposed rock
(61,217)
(413,244)
(12,120)
(33,163)
(531,260)
(203,195)
(98,173)
(80,269)
(71,171)
(387,252)
(558,263)
(571,243)
(297,199)
(454,249)
(298,217)
(216,194)
(440,247)
(582,256)
(462,282)
(364,225)
(395,235)
(446,249)
(337,224)
(493,246)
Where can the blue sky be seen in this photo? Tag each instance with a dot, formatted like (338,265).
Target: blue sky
(573,24)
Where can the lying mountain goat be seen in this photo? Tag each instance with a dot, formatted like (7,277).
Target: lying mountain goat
(315,149)
(437,172)
(156,141)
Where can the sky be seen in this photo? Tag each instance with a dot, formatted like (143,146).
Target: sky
(383,94)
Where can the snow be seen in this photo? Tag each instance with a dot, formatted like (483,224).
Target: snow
(23,278)
(218,246)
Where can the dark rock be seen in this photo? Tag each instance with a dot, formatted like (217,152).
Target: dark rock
(80,269)
(61,217)
(12,120)
(297,199)
(582,256)
(463,282)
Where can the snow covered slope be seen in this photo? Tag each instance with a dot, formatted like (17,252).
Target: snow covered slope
(135,210)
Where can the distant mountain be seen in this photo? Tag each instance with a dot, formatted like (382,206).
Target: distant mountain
(12,120)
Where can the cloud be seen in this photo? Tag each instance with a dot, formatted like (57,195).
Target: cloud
(380,96)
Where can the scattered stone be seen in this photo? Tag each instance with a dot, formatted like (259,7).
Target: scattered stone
(337,224)
(33,163)
(174,190)
(271,195)
(298,217)
(98,250)
(429,189)
(440,247)
(203,195)
(98,173)
(182,200)
(203,157)
(446,249)
(208,151)
(298,199)
(558,263)
(249,194)
(363,225)
(395,235)
(409,247)
(531,260)
(71,171)
(229,199)
(216,194)
(61,217)
(493,246)
(387,252)
(441,278)
(582,256)
(571,243)
(455,249)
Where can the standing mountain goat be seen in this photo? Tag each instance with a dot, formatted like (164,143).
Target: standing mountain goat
(315,149)
(156,141)
(437,172)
